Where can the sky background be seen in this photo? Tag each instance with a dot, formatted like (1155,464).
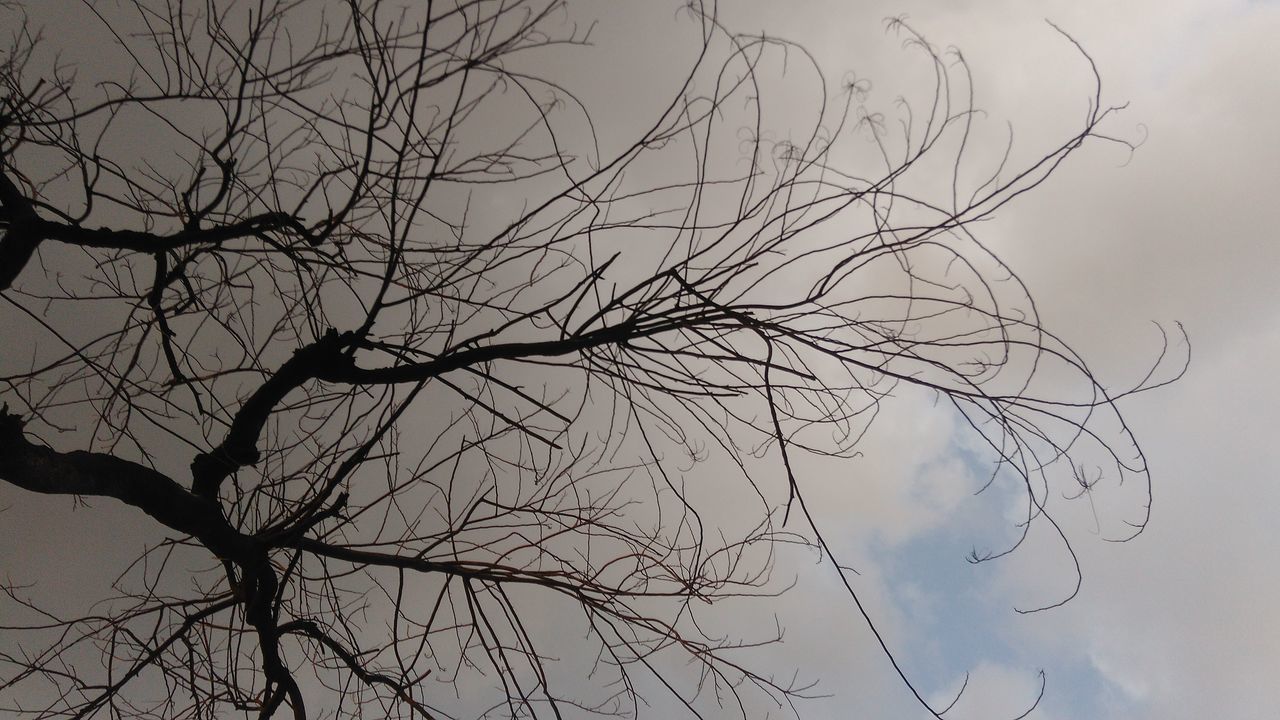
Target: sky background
(1179,623)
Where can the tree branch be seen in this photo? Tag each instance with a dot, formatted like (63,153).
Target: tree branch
(240,446)
(41,469)
(26,230)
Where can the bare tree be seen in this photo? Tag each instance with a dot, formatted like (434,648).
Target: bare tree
(400,348)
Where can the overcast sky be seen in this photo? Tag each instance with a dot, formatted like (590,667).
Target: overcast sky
(1181,622)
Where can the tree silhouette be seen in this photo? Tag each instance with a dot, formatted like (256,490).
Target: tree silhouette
(401,349)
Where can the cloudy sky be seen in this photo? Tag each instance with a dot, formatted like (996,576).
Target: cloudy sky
(1180,622)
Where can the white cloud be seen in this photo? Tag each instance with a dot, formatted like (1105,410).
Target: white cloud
(1180,623)
(992,691)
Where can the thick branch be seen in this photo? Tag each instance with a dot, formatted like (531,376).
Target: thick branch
(240,446)
(16,246)
(417,372)
(44,470)
(152,243)
(325,360)
(26,230)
